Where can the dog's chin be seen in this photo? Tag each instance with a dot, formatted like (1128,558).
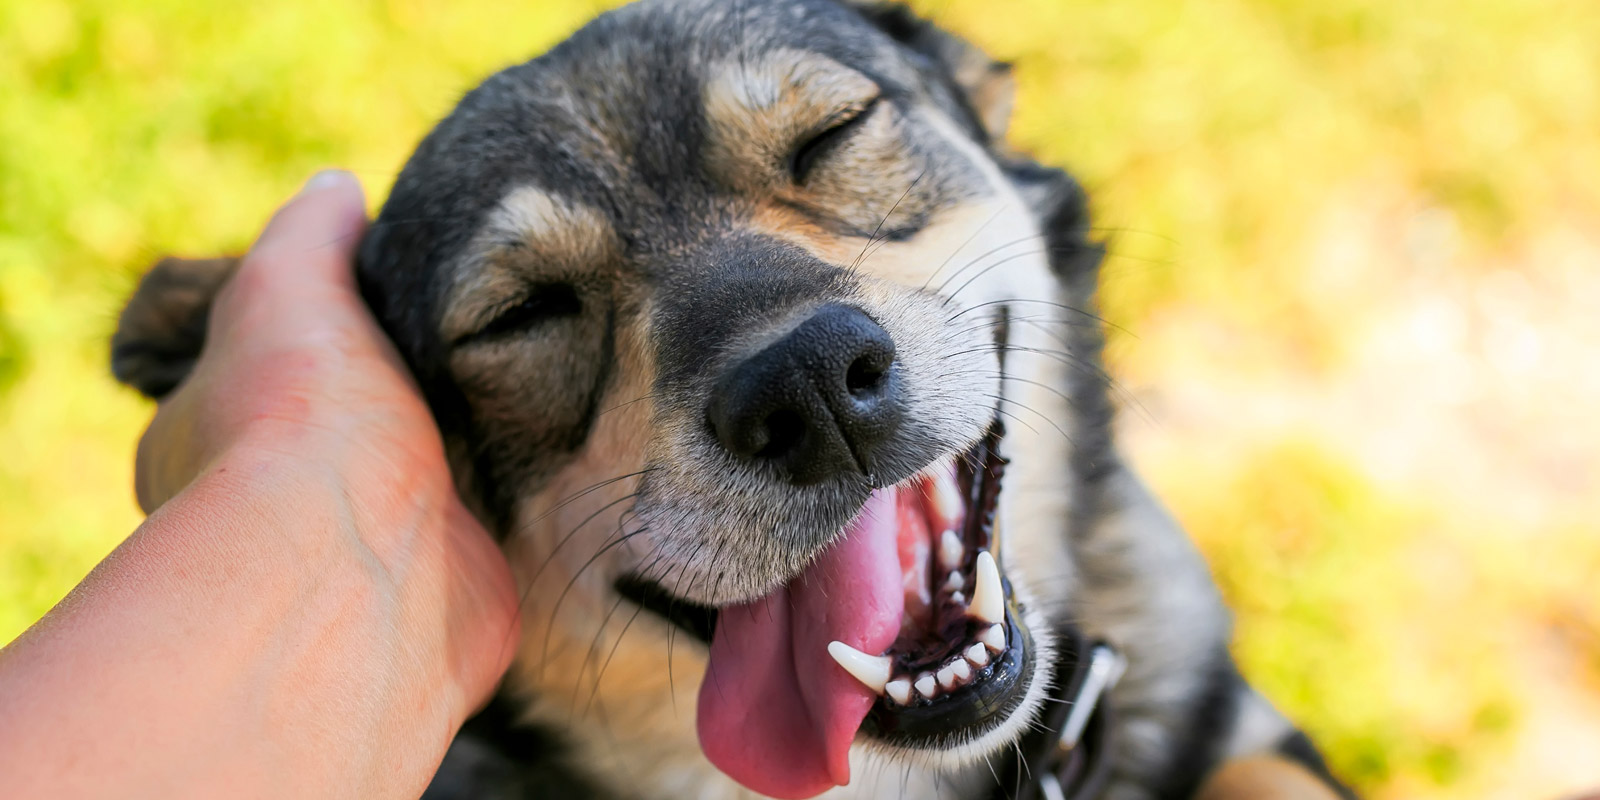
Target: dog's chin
(964,671)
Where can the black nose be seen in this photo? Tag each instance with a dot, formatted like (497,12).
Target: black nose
(817,403)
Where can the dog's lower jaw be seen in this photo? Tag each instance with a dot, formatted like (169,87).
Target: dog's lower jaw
(974,757)
(634,734)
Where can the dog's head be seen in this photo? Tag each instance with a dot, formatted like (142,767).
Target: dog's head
(724,308)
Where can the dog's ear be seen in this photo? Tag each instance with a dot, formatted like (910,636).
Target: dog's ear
(985,85)
(160,332)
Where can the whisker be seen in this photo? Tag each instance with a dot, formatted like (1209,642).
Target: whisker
(590,652)
(992,267)
(1014,417)
(600,674)
(1083,365)
(638,399)
(1008,301)
(545,649)
(960,247)
(980,259)
(885,220)
(1001,376)
(564,503)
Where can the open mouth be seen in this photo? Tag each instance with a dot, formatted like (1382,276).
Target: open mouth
(924,642)
(959,664)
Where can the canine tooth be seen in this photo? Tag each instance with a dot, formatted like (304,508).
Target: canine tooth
(900,690)
(994,638)
(988,599)
(955,582)
(946,496)
(950,550)
(872,671)
(978,655)
(926,686)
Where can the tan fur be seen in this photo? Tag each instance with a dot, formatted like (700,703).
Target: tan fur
(758,108)
(1263,778)
(993,91)
(530,235)
(762,107)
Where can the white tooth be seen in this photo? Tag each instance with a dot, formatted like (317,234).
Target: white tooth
(925,685)
(955,583)
(946,496)
(962,669)
(958,597)
(951,550)
(988,599)
(872,671)
(978,655)
(947,676)
(900,690)
(994,638)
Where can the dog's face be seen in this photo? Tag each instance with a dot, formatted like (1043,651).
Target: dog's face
(722,307)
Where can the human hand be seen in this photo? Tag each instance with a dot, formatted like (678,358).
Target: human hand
(309,610)
(297,375)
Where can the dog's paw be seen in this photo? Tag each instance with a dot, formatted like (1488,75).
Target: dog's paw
(1264,778)
(161,331)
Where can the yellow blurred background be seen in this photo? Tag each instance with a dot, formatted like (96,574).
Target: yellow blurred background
(1355,265)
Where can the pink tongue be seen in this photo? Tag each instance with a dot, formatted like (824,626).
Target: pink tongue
(776,713)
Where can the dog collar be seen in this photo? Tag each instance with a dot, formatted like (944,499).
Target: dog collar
(1068,756)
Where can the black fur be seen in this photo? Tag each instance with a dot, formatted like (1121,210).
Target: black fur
(1212,716)
(497,757)
(1297,747)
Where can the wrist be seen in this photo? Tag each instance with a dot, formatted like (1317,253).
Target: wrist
(387,528)
(333,618)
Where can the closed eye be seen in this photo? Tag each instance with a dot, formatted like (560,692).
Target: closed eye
(829,137)
(543,304)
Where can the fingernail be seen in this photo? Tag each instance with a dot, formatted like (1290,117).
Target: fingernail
(326,179)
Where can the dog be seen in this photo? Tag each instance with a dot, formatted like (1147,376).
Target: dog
(778,376)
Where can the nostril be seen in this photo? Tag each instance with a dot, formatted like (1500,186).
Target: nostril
(865,375)
(821,401)
(785,428)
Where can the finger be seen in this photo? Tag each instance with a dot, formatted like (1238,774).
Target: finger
(315,234)
(303,259)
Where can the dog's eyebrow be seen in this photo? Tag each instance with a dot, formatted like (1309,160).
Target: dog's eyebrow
(765,101)
(531,236)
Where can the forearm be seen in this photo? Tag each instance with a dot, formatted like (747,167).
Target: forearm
(247,639)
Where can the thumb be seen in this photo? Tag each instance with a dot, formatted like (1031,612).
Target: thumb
(301,267)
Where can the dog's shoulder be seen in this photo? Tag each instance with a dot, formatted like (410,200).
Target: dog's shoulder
(1191,725)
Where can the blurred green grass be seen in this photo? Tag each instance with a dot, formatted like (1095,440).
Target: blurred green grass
(1212,136)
